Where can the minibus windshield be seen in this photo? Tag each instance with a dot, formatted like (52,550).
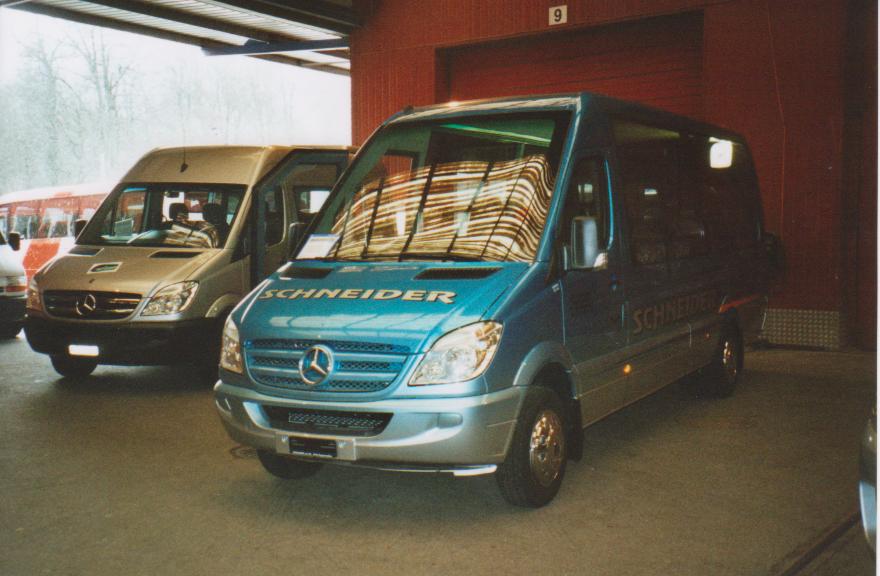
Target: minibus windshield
(172,215)
(475,188)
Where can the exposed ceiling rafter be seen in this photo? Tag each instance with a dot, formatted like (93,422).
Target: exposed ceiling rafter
(204,43)
(251,48)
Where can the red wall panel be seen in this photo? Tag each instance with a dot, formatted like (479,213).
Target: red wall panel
(656,61)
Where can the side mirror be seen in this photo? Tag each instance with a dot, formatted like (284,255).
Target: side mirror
(78,227)
(14,241)
(584,242)
(294,231)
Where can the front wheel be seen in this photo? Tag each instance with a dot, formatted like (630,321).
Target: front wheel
(535,465)
(285,467)
(73,367)
(9,332)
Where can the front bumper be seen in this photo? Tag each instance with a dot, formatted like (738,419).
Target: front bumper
(467,435)
(12,311)
(130,343)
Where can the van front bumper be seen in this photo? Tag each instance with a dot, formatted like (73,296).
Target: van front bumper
(138,344)
(468,435)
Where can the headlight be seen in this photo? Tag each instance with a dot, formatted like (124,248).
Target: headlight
(14,285)
(461,355)
(230,351)
(34,300)
(171,299)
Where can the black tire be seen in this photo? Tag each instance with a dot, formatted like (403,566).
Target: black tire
(287,468)
(531,477)
(71,367)
(720,377)
(9,332)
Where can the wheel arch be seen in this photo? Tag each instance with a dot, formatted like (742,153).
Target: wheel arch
(549,365)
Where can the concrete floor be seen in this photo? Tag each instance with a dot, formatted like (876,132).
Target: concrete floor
(131,473)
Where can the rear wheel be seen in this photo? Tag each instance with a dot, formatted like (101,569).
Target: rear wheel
(720,377)
(535,465)
(73,367)
(285,467)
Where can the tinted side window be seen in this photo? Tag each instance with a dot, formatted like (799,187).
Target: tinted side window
(647,161)
(728,188)
(687,195)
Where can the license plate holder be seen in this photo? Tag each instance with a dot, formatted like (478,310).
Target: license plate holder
(86,350)
(312,447)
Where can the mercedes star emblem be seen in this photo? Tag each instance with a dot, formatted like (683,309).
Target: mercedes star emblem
(86,305)
(315,365)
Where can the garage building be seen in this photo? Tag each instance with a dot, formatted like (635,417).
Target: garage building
(797,79)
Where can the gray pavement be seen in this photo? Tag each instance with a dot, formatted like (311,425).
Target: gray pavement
(131,473)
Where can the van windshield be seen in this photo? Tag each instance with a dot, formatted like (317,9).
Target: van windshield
(474,188)
(174,215)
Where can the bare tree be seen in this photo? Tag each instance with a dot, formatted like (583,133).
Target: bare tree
(105,80)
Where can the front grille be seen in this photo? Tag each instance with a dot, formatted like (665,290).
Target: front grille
(327,421)
(338,346)
(327,385)
(357,367)
(101,306)
(345,366)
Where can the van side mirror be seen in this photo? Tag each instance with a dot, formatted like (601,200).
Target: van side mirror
(78,227)
(294,231)
(14,241)
(584,242)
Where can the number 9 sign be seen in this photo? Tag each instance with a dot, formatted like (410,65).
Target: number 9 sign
(558,15)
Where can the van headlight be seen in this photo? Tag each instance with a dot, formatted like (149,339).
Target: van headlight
(34,299)
(230,349)
(461,355)
(171,299)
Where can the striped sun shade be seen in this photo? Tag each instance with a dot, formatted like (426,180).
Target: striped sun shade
(481,210)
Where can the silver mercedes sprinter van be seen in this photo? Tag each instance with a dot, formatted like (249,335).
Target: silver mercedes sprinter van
(487,278)
(180,240)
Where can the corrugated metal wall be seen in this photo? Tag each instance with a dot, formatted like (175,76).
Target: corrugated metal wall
(772,70)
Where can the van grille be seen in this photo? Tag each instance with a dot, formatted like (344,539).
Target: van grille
(327,421)
(84,305)
(357,367)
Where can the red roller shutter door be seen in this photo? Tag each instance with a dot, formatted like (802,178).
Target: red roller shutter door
(657,62)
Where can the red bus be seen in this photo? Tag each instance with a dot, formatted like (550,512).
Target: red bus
(44,217)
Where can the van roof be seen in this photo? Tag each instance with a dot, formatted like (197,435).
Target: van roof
(549,102)
(213,164)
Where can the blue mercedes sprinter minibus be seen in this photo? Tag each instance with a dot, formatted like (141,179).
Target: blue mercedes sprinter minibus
(488,278)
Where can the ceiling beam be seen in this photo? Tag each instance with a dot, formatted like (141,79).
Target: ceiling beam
(251,48)
(314,13)
(104,22)
(174,15)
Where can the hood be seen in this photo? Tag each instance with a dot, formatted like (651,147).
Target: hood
(406,304)
(134,269)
